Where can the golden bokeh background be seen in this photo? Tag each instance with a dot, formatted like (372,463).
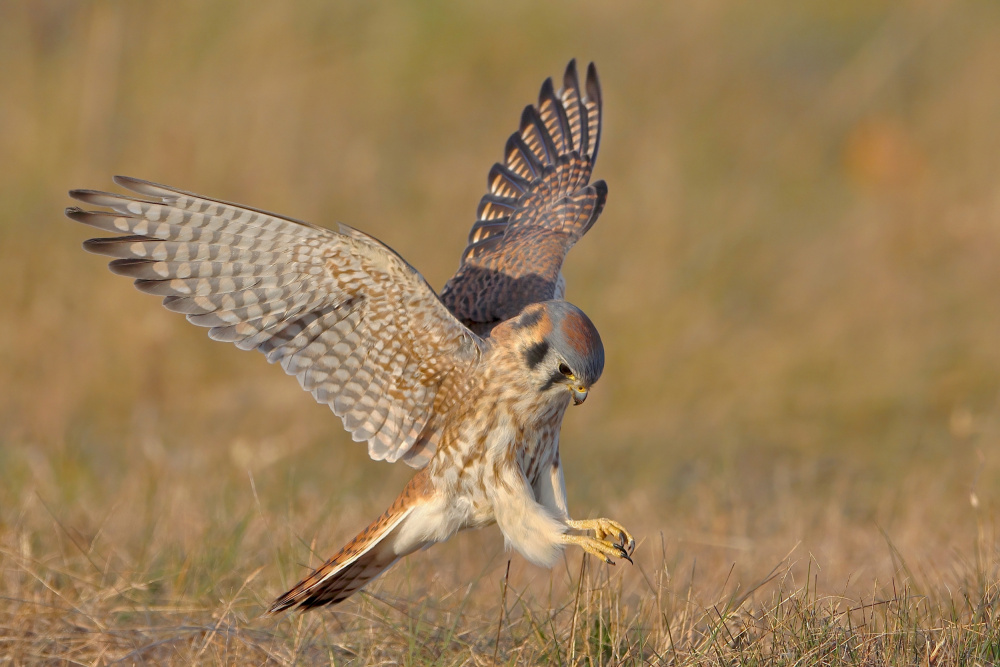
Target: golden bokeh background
(796,275)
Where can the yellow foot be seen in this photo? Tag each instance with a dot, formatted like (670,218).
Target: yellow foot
(602,546)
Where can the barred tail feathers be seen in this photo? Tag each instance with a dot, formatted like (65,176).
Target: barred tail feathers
(373,551)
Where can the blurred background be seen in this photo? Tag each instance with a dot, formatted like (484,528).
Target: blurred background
(795,276)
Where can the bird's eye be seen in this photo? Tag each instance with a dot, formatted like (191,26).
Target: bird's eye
(564,369)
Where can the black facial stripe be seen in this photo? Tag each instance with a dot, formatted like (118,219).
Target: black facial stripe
(553,380)
(529,320)
(534,354)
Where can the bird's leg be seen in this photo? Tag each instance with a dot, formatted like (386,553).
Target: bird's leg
(600,545)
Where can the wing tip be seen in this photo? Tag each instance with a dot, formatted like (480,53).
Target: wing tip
(593,84)
(130,182)
(93,246)
(594,94)
(548,90)
(571,80)
(83,194)
(149,188)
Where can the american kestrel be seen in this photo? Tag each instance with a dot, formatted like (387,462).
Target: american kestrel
(469,387)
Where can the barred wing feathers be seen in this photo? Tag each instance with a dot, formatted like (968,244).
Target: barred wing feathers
(540,202)
(358,326)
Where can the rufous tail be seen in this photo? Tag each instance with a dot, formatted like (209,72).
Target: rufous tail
(372,552)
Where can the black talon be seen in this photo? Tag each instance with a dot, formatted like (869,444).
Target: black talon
(624,554)
(607,559)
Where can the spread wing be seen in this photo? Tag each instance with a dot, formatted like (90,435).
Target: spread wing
(358,326)
(540,202)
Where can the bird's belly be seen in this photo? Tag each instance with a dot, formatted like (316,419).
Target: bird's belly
(462,495)
(478,512)
(450,511)
(472,499)
(467,471)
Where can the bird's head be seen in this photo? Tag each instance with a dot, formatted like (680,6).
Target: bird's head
(559,348)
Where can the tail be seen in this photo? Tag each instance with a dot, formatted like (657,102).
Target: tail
(362,559)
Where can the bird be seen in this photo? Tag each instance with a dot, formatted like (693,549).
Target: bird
(469,386)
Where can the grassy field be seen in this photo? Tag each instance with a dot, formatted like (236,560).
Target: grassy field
(796,279)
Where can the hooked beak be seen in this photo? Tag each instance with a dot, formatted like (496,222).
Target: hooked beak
(579,394)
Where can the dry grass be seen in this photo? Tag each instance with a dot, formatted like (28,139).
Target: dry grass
(795,279)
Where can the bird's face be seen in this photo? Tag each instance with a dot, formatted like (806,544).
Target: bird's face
(560,350)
